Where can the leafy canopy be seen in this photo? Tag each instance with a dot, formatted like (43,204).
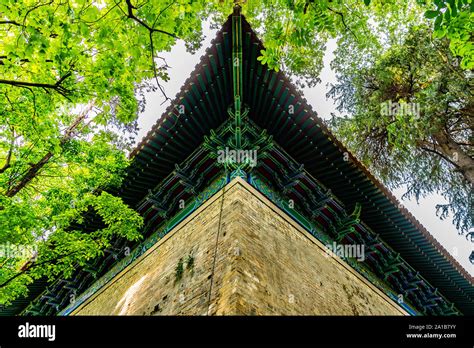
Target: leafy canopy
(454,19)
(73,74)
(411,120)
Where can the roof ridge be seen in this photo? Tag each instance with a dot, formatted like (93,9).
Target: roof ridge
(182,90)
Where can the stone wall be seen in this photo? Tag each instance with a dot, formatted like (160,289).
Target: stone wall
(238,254)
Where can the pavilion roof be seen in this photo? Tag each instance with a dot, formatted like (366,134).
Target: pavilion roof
(201,106)
(206,95)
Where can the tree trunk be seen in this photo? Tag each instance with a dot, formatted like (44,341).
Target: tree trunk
(463,162)
(35,168)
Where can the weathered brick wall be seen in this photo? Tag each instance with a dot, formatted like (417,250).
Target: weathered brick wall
(240,255)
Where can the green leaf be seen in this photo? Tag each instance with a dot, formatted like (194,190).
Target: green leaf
(440,33)
(438,22)
(447,15)
(91,13)
(431,14)
(454,11)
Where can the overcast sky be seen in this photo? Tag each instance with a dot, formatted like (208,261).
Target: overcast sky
(182,64)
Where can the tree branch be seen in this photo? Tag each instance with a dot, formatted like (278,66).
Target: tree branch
(130,9)
(163,10)
(56,86)
(154,70)
(27,267)
(11,22)
(100,18)
(32,172)
(438,154)
(343,21)
(34,8)
(151,30)
(10,151)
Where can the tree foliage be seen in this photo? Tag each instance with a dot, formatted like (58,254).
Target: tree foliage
(454,19)
(295,32)
(411,120)
(73,74)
